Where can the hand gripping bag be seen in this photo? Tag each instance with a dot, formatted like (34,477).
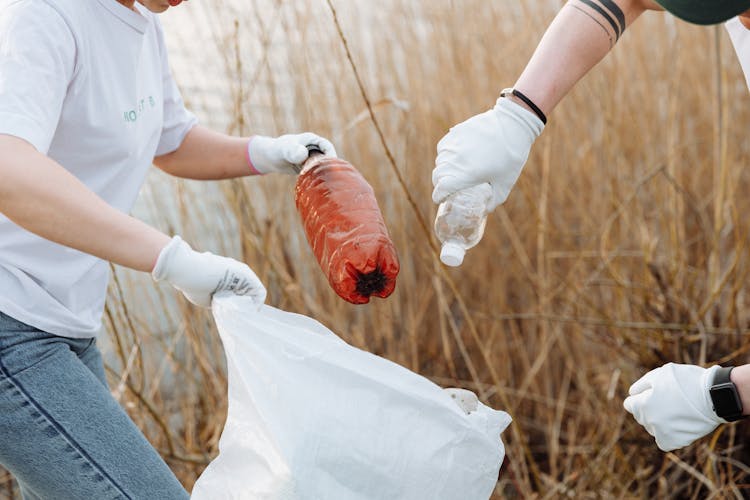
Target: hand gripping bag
(345,229)
(313,418)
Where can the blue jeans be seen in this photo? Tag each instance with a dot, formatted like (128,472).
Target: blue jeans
(62,434)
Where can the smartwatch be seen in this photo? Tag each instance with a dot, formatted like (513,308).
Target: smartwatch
(726,400)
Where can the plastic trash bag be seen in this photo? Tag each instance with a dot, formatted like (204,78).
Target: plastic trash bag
(345,229)
(311,417)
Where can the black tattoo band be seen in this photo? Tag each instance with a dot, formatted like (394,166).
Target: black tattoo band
(615,10)
(604,14)
(609,35)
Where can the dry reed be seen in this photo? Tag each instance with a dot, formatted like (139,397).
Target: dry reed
(622,247)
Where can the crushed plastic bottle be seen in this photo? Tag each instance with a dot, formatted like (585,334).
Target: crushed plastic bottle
(460,222)
(345,229)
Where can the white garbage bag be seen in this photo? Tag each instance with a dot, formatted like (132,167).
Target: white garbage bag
(311,417)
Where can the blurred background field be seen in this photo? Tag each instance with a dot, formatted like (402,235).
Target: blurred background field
(623,246)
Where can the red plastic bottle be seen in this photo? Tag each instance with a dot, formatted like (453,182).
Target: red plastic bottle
(345,229)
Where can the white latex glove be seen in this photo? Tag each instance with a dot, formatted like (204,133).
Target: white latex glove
(673,404)
(201,275)
(488,148)
(284,154)
(466,400)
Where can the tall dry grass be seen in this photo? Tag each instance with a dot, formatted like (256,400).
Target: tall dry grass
(623,246)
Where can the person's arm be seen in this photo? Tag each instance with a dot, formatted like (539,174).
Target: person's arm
(493,147)
(674,404)
(740,376)
(208,155)
(39,195)
(581,35)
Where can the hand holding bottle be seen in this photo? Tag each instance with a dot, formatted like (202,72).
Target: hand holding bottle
(285,154)
(488,148)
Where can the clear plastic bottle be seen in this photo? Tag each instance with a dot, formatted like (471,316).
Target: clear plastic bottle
(460,222)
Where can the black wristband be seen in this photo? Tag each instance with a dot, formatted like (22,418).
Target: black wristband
(538,112)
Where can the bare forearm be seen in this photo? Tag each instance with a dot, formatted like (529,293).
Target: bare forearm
(581,35)
(740,376)
(43,198)
(207,155)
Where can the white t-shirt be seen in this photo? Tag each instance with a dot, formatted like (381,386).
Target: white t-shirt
(87,83)
(741,40)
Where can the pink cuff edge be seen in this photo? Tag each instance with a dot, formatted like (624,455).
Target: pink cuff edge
(253,170)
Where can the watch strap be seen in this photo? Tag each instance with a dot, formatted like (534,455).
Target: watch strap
(722,375)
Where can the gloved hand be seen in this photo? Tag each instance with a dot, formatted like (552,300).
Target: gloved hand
(491,147)
(673,404)
(284,154)
(201,275)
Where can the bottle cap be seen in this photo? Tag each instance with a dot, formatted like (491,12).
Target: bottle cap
(452,254)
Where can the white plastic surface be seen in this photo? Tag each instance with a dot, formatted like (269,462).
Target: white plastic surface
(460,222)
(452,254)
(311,417)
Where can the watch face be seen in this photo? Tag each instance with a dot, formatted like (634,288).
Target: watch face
(725,400)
